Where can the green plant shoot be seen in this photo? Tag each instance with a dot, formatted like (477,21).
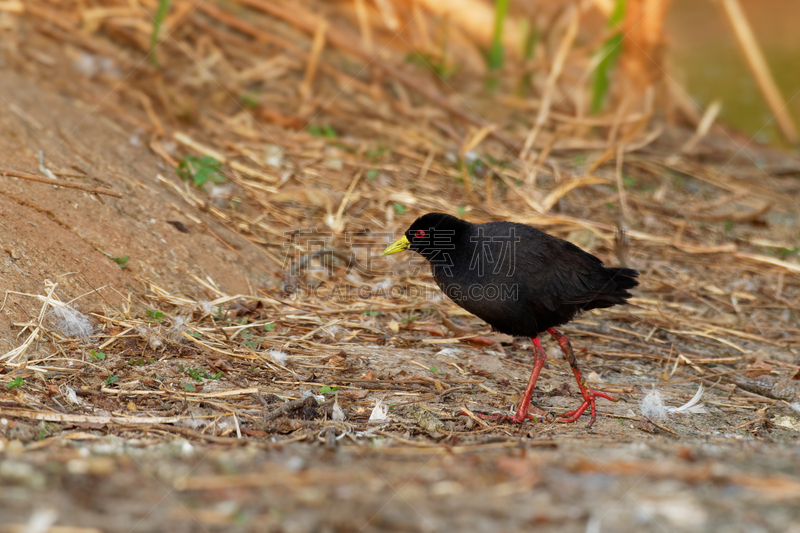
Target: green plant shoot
(496,52)
(200,170)
(606,58)
(161,14)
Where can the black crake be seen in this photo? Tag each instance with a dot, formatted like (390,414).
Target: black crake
(520,280)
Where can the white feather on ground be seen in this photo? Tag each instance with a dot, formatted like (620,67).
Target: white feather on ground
(71,395)
(153,339)
(70,322)
(177,328)
(379,413)
(278,356)
(310,394)
(338,413)
(693,405)
(652,405)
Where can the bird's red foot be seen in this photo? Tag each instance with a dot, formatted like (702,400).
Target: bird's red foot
(523,414)
(589,400)
(589,395)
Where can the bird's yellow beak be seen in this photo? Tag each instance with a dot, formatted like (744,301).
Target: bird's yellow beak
(399,245)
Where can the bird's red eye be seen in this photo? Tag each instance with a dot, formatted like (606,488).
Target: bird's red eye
(419,234)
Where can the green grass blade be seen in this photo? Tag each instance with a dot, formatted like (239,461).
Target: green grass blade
(617,15)
(161,14)
(496,53)
(528,50)
(608,53)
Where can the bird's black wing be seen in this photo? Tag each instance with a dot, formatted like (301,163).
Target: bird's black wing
(561,274)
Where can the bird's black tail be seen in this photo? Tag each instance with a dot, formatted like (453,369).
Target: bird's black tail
(625,278)
(615,287)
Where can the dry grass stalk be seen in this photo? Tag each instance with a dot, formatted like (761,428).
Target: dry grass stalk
(555,71)
(60,183)
(45,416)
(703,127)
(364,24)
(317,45)
(49,300)
(623,201)
(643,43)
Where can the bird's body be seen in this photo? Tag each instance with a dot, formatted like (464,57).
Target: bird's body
(525,280)
(519,280)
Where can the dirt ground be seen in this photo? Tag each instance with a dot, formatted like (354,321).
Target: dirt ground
(185,410)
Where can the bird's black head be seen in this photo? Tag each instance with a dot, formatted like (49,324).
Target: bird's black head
(430,234)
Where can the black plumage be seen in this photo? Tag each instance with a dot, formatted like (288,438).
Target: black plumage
(520,280)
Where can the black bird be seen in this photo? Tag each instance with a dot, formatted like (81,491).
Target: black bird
(521,281)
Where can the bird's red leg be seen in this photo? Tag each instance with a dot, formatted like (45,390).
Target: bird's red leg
(539,356)
(588,394)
